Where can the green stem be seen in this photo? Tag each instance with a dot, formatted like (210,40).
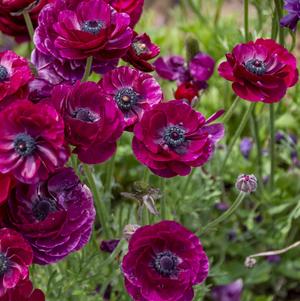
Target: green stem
(88,68)
(230,111)
(218,11)
(225,215)
(246,19)
(163,209)
(272,145)
(237,135)
(196,11)
(108,180)
(279,8)
(28,24)
(100,207)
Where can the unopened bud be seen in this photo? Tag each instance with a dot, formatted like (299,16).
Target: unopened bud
(246,183)
(250,262)
(129,230)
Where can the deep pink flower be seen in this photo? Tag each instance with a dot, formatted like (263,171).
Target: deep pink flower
(229,292)
(172,137)
(24,291)
(6,183)
(141,51)
(187,91)
(31,141)
(164,262)
(133,91)
(55,216)
(133,8)
(93,122)
(75,29)
(15,258)
(260,71)
(15,74)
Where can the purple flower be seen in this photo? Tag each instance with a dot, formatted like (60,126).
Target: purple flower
(108,246)
(293,16)
(229,292)
(273,259)
(222,206)
(164,262)
(172,137)
(75,29)
(55,216)
(93,123)
(246,146)
(32,141)
(201,67)
(133,91)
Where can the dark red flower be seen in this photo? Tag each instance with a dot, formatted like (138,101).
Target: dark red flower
(187,91)
(24,291)
(260,71)
(31,141)
(141,51)
(6,183)
(164,262)
(15,257)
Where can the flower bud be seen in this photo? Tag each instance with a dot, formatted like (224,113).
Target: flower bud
(246,183)
(250,262)
(129,230)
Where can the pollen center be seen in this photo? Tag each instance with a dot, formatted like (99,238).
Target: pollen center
(24,144)
(256,66)
(139,47)
(126,98)
(165,263)
(174,136)
(42,208)
(92,26)
(4,264)
(3,74)
(86,115)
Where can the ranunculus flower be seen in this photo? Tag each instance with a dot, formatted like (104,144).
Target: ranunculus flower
(133,8)
(24,291)
(55,216)
(187,91)
(164,262)
(201,67)
(14,25)
(246,146)
(31,141)
(172,137)
(15,74)
(293,16)
(141,51)
(6,183)
(261,71)
(109,246)
(75,29)
(93,122)
(15,258)
(133,91)
(229,292)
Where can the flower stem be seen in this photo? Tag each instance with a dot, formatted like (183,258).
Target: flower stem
(110,166)
(163,210)
(278,5)
(88,68)
(246,19)
(226,214)
(230,111)
(272,145)
(28,24)
(237,134)
(218,12)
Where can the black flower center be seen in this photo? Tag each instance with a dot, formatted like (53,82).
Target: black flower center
(139,47)
(92,26)
(3,74)
(165,263)
(256,66)
(42,207)
(4,264)
(126,98)
(84,114)
(24,144)
(174,136)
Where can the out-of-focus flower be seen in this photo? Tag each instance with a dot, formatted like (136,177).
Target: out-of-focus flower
(188,91)
(108,246)
(164,262)
(172,137)
(56,216)
(273,259)
(201,67)
(93,122)
(141,51)
(222,206)
(32,141)
(229,292)
(246,146)
(6,183)
(133,91)
(15,259)
(261,71)
(246,183)
(293,16)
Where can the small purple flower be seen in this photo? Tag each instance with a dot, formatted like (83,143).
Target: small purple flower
(201,67)
(229,292)
(273,259)
(109,246)
(293,16)
(222,206)
(246,146)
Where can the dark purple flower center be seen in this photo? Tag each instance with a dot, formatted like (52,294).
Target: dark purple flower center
(126,98)
(174,136)
(3,74)
(165,264)
(139,47)
(42,207)
(92,26)
(256,66)
(86,115)
(24,144)
(4,264)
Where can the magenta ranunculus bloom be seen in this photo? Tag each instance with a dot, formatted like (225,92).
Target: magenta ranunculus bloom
(31,141)
(172,137)
(75,29)
(292,18)
(261,71)
(55,216)
(15,74)
(133,91)
(15,258)
(93,123)
(24,291)
(141,51)
(201,67)
(164,262)
(133,8)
